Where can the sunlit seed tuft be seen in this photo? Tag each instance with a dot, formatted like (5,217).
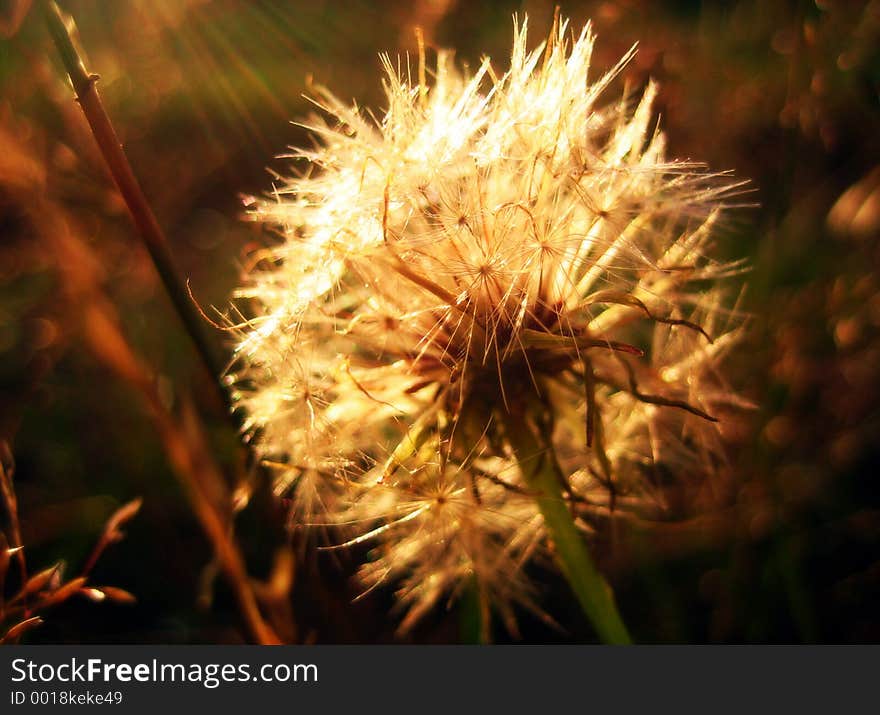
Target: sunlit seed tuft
(492,246)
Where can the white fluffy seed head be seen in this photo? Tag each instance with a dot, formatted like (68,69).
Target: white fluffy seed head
(491,240)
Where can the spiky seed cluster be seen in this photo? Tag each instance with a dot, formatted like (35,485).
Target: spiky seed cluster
(493,248)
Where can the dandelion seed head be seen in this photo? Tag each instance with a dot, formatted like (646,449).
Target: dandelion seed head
(492,243)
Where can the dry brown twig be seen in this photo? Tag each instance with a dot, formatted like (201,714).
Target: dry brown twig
(61,27)
(81,284)
(95,317)
(182,435)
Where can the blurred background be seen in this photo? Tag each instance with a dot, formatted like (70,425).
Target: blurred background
(784,93)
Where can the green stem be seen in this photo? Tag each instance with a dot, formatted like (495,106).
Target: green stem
(591,590)
(474,623)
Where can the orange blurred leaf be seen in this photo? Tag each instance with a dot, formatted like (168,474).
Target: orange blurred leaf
(20,629)
(42,580)
(117,595)
(64,592)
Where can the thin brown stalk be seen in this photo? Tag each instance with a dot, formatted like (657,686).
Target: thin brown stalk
(10,501)
(86,91)
(182,437)
(184,441)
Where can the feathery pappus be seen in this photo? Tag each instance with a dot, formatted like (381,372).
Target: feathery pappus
(495,253)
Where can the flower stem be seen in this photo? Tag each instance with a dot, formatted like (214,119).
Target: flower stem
(590,588)
(474,619)
(141,213)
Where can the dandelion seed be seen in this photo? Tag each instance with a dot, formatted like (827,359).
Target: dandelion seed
(495,251)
